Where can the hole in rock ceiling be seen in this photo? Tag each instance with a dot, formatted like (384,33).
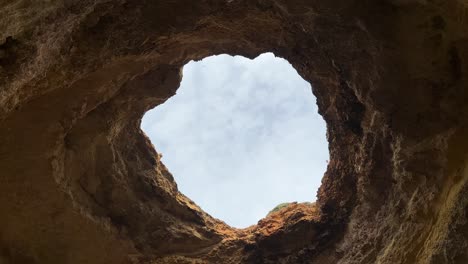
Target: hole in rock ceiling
(241,136)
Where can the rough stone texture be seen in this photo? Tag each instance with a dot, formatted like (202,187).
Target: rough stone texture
(80,182)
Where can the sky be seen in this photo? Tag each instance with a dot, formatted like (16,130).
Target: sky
(241,136)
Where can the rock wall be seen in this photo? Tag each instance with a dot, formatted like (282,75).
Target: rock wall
(81,183)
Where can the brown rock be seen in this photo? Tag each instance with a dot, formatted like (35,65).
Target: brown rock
(81,183)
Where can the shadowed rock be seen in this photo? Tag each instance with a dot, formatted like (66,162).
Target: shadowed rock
(81,183)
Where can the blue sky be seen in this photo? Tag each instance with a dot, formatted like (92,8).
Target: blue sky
(241,136)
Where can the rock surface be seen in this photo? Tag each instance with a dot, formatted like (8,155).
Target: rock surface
(81,183)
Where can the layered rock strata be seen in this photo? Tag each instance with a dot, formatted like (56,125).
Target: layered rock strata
(81,183)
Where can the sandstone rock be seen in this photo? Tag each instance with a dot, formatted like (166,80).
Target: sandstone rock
(81,183)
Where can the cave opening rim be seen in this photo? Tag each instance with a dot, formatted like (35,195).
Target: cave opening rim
(250,58)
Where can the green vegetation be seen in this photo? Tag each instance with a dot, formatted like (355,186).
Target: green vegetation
(278,207)
(282,205)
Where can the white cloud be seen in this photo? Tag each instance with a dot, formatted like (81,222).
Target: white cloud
(241,136)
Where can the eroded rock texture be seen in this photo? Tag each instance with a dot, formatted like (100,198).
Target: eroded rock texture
(80,182)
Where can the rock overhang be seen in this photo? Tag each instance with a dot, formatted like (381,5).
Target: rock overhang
(79,76)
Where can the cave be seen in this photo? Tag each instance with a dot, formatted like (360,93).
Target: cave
(81,183)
